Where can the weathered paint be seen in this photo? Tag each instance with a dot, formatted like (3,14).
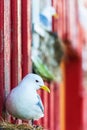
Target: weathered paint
(1,55)
(14,43)
(26,36)
(7,46)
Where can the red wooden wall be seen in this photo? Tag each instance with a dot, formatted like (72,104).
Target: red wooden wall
(15,61)
(15,57)
(72,103)
(15,44)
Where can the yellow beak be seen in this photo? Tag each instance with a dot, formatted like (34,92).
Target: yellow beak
(56,16)
(45,88)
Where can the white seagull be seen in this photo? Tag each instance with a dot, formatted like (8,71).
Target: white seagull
(23,102)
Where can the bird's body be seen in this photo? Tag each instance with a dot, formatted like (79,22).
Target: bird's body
(23,102)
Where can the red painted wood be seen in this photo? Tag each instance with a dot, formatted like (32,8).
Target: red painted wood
(16,51)
(26,36)
(45,102)
(51,107)
(19,42)
(64,18)
(14,43)
(73,101)
(84,109)
(68,28)
(7,46)
(17,47)
(1,55)
(56,107)
(60,21)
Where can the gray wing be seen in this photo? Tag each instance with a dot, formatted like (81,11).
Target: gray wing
(39,103)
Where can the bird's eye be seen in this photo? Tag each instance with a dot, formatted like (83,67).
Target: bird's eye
(37,81)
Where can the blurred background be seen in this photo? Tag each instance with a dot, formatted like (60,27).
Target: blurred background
(49,38)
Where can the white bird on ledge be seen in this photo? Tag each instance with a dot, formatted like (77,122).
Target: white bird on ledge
(23,102)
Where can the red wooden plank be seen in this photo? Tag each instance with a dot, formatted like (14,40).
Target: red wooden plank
(16,52)
(56,107)
(14,43)
(19,42)
(26,36)
(60,20)
(1,55)
(7,44)
(45,102)
(85,110)
(73,101)
(67,10)
(64,18)
(51,108)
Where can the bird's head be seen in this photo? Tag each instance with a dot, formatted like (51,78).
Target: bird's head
(36,81)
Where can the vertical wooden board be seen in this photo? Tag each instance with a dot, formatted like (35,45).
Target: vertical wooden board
(26,37)
(73,74)
(73,98)
(7,44)
(64,19)
(45,102)
(1,55)
(16,51)
(60,20)
(81,35)
(19,42)
(67,21)
(51,107)
(14,43)
(85,110)
(73,20)
(56,107)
